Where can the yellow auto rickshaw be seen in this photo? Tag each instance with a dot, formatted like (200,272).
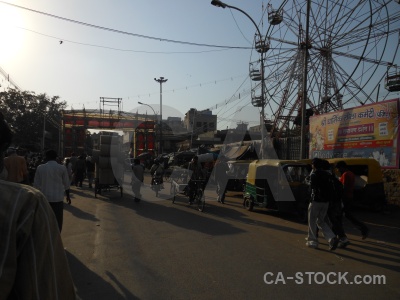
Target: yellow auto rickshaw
(368,188)
(237,174)
(278,184)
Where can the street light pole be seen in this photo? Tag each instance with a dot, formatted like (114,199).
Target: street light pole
(155,116)
(262,121)
(161,80)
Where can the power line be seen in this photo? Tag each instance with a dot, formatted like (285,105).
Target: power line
(123,32)
(119,49)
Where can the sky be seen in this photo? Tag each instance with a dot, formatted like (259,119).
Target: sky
(84,50)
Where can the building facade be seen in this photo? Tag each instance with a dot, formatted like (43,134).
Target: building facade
(198,122)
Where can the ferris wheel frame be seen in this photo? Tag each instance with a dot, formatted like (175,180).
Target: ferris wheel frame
(349,49)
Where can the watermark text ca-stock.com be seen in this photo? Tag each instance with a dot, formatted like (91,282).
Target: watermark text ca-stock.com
(323,278)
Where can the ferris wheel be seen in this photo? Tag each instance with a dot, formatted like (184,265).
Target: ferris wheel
(350,46)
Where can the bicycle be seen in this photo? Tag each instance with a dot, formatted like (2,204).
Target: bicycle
(156,184)
(198,194)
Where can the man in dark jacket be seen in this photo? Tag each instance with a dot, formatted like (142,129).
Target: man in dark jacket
(317,210)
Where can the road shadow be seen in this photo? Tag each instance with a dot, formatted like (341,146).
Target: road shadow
(189,219)
(89,285)
(356,253)
(162,209)
(79,213)
(230,211)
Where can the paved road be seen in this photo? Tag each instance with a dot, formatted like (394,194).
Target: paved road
(119,249)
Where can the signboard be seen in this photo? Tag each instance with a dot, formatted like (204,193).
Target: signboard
(370,131)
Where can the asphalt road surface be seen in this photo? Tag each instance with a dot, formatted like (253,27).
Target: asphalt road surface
(119,249)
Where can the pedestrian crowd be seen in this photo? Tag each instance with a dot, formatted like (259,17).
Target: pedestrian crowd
(331,200)
(33,263)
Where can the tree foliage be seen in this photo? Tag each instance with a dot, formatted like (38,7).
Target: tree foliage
(27,112)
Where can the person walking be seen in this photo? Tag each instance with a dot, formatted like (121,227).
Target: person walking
(137,179)
(335,209)
(347,178)
(79,171)
(318,207)
(52,180)
(157,171)
(221,178)
(68,165)
(33,261)
(90,167)
(73,160)
(195,174)
(16,167)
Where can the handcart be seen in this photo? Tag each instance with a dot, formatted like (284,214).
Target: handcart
(198,196)
(177,188)
(109,168)
(100,186)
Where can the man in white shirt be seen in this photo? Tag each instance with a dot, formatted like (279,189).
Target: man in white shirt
(52,180)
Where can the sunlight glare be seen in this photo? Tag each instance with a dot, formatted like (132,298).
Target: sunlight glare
(11,36)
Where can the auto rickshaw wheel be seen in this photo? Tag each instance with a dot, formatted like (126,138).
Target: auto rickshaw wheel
(248,204)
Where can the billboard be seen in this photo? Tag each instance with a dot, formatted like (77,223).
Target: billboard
(366,131)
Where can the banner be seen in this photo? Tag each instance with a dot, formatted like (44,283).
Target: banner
(369,131)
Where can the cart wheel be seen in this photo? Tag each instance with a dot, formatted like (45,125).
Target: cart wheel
(248,204)
(201,201)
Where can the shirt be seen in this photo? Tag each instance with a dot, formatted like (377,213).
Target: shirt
(348,179)
(16,167)
(52,180)
(138,173)
(33,264)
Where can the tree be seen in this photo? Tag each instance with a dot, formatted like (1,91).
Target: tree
(27,112)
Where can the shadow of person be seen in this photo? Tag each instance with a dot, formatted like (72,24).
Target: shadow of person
(90,285)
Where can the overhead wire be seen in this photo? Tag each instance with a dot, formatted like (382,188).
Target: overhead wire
(121,31)
(119,49)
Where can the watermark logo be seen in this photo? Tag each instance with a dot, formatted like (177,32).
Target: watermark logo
(323,278)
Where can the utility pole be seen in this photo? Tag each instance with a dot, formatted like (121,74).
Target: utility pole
(161,80)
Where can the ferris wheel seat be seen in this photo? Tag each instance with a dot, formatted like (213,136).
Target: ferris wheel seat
(275,19)
(393,87)
(262,46)
(392,83)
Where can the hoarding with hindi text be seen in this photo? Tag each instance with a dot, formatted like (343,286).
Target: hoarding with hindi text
(365,131)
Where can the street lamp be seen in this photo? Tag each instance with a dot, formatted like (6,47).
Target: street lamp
(161,80)
(155,116)
(218,3)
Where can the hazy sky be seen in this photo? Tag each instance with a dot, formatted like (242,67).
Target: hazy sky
(116,49)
